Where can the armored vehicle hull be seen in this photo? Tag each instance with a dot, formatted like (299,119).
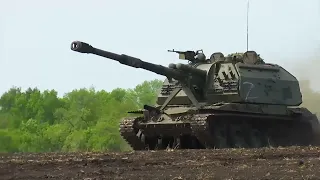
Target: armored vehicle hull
(222,126)
(221,102)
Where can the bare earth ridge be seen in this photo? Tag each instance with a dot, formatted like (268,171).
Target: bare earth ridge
(267,163)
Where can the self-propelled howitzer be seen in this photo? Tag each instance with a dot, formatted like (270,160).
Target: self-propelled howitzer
(220,102)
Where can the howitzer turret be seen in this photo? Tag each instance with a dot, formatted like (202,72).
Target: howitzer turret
(238,101)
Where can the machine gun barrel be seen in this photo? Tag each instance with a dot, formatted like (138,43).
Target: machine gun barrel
(82,47)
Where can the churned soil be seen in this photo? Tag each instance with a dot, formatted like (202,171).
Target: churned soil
(267,163)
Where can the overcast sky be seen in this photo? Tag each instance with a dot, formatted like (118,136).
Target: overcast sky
(35,37)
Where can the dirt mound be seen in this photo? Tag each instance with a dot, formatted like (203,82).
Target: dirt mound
(268,163)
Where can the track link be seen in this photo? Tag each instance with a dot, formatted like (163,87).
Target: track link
(129,134)
(201,131)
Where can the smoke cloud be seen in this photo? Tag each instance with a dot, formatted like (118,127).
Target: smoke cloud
(307,70)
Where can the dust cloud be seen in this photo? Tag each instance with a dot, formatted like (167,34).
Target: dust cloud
(307,70)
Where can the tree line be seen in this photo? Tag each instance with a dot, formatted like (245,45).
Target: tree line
(82,120)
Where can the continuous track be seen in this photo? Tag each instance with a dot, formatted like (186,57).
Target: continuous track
(218,130)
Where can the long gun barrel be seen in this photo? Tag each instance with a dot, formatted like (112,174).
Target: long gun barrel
(82,47)
(192,70)
(180,73)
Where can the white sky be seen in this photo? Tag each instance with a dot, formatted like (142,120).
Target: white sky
(35,37)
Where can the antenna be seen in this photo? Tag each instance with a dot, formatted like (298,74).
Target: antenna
(248,25)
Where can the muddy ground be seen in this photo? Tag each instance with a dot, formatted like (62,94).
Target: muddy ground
(284,163)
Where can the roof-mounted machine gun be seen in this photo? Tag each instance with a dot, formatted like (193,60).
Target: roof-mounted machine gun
(192,56)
